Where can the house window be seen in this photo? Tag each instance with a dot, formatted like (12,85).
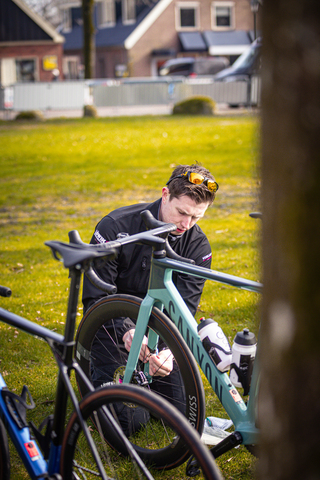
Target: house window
(223,15)
(187,16)
(106,13)
(26,70)
(128,11)
(66,19)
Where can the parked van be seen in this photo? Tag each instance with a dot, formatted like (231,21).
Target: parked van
(192,67)
(247,65)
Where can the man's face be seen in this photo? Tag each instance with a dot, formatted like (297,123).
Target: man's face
(182,211)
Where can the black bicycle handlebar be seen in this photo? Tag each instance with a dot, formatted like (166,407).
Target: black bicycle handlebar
(78,254)
(5,291)
(152,222)
(255,215)
(94,278)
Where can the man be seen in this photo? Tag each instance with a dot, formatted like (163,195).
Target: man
(184,200)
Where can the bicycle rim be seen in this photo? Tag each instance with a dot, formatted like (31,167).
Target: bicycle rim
(193,407)
(76,461)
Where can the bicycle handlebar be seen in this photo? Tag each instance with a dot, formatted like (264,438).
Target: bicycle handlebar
(152,222)
(255,215)
(5,291)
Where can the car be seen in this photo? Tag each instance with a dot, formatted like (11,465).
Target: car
(192,67)
(246,66)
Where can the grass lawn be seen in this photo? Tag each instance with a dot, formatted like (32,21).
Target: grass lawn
(62,175)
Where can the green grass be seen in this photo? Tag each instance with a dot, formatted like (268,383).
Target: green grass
(66,174)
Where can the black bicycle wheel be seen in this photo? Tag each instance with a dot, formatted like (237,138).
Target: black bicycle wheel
(99,319)
(4,453)
(76,460)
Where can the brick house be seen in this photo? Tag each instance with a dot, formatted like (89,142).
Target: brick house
(135,37)
(30,48)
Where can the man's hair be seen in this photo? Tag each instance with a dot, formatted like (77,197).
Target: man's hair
(181,186)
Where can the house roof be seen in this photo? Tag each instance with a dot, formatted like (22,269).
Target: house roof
(19,23)
(119,34)
(232,42)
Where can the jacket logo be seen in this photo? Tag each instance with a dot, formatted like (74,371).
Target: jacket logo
(99,237)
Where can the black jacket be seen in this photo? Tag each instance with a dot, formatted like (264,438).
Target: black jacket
(130,270)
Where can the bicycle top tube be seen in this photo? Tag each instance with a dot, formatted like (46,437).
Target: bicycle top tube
(209,274)
(30,327)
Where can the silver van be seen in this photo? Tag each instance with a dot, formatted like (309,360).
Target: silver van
(247,65)
(192,67)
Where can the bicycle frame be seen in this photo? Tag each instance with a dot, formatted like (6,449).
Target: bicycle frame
(163,292)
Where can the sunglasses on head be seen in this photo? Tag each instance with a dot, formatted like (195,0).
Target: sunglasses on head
(197,179)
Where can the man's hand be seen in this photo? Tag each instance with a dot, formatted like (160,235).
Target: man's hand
(127,340)
(161,364)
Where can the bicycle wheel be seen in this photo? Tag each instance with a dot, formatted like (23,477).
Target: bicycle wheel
(98,321)
(4,453)
(76,461)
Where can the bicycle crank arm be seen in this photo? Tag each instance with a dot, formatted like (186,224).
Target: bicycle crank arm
(233,440)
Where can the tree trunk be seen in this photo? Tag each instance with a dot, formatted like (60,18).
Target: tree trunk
(289,407)
(88,38)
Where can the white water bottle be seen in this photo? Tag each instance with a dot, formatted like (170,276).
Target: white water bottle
(243,354)
(216,343)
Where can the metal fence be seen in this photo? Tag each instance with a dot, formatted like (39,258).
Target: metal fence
(127,92)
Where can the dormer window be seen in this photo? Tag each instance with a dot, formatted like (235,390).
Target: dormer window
(66,19)
(106,13)
(187,16)
(128,11)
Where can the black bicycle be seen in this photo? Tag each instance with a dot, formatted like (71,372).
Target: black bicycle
(77,449)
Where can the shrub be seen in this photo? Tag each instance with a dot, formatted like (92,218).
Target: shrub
(90,111)
(198,105)
(30,115)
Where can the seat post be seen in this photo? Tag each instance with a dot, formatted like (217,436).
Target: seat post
(75,276)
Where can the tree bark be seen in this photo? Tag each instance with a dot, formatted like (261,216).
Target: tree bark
(88,38)
(289,407)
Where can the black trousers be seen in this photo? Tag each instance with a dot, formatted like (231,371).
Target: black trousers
(108,360)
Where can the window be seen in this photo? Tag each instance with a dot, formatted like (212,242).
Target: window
(26,70)
(128,11)
(223,15)
(106,13)
(187,16)
(66,19)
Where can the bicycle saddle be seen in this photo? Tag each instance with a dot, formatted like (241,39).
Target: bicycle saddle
(84,254)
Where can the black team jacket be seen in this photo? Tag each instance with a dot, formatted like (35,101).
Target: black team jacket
(130,270)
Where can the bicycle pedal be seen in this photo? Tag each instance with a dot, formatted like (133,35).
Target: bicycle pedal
(192,468)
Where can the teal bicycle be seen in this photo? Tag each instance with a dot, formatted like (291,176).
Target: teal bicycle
(75,448)
(180,336)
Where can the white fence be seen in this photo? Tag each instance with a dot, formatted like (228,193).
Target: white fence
(129,92)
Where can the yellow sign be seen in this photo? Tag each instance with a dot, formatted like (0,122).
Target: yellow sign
(50,62)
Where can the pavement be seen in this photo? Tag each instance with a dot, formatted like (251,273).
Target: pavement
(125,111)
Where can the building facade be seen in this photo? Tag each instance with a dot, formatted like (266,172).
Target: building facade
(135,37)
(30,49)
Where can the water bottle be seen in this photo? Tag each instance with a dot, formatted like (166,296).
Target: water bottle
(243,354)
(216,343)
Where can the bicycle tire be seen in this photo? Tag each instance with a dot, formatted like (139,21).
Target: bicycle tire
(155,405)
(4,453)
(115,306)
